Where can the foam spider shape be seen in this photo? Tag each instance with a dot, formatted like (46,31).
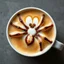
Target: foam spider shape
(31,30)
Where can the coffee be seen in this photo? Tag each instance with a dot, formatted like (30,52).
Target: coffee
(31,31)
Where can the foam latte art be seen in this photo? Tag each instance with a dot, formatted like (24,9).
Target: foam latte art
(26,31)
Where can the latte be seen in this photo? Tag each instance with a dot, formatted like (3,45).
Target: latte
(31,31)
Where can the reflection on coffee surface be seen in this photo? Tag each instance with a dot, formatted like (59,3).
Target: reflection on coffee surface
(31,31)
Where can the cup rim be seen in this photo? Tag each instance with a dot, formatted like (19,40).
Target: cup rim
(39,53)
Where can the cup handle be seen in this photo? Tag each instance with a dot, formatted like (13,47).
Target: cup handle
(58,45)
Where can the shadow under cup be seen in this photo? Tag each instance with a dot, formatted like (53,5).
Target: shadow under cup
(45,49)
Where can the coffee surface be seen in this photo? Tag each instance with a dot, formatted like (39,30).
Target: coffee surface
(34,16)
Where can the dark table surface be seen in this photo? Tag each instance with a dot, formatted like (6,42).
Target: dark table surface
(54,7)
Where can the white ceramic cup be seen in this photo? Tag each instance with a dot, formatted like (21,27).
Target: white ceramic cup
(55,43)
